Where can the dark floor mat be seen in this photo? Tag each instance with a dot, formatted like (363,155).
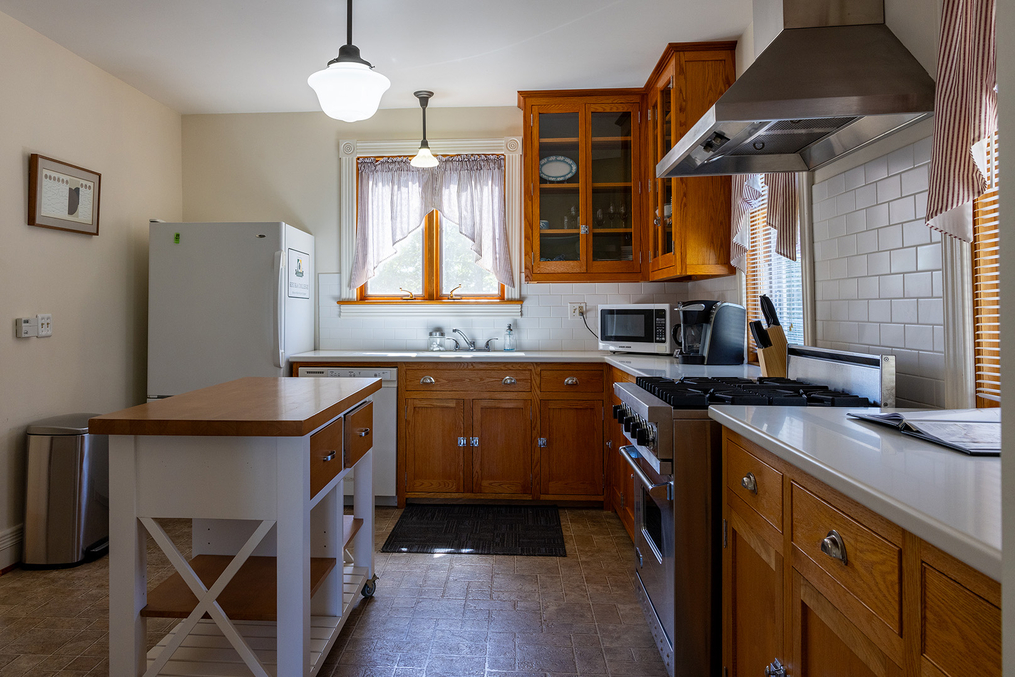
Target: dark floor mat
(478,530)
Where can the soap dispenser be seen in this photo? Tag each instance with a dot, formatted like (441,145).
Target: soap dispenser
(509,339)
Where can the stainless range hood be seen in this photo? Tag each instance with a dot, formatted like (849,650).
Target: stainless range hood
(834,80)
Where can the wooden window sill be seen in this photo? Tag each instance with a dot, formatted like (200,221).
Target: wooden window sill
(462,308)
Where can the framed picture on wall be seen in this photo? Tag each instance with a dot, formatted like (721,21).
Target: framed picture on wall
(62,196)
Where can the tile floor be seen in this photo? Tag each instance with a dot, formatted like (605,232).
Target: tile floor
(468,615)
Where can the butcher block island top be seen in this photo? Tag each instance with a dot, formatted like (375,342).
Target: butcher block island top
(246,407)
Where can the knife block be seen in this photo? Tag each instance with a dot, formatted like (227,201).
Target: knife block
(773,358)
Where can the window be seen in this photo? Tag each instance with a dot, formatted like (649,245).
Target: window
(769,273)
(431,235)
(430,264)
(986,287)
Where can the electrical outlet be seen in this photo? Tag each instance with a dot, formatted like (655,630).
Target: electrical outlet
(26,327)
(575,311)
(45,324)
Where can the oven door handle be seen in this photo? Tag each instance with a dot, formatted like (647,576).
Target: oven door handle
(630,453)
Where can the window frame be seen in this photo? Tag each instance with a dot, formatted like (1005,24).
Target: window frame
(350,151)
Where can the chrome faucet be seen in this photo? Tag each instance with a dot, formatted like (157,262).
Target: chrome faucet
(469,342)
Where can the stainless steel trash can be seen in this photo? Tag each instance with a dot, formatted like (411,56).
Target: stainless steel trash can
(67,497)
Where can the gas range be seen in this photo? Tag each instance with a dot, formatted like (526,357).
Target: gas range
(700,392)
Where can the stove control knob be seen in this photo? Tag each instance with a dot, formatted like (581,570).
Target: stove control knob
(618,410)
(629,423)
(642,436)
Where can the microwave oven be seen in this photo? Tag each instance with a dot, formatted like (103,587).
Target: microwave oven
(635,328)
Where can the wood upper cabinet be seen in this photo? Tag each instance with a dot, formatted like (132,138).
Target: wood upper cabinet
(501,439)
(571,447)
(583,182)
(688,218)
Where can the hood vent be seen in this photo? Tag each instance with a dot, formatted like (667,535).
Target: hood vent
(813,95)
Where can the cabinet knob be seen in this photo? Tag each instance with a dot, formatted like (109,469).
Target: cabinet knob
(330,456)
(750,482)
(427,381)
(364,432)
(775,669)
(509,381)
(833,546)
(571,381)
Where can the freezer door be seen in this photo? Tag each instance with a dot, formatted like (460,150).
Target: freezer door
(213,296)
(300,293)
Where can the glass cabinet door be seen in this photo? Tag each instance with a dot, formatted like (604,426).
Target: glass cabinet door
(612,207)
(664,187)
(557,199)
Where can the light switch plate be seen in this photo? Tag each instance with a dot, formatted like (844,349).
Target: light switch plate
(26,327)
(575,311)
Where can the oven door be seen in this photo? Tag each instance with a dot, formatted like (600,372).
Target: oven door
(654,540)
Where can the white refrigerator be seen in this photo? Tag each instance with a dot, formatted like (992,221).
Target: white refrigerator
(226,300)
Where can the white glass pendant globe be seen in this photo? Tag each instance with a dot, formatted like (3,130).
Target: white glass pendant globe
(349,91)
(424,158)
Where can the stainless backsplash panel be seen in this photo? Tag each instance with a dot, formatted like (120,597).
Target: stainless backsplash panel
(870,376)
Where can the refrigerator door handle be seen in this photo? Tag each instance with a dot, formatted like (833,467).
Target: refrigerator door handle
(278,310)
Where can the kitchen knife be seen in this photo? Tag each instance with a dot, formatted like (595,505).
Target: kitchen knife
(768,310)
(760,334)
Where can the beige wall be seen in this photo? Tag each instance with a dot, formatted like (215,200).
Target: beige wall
(284,166)
(58,105)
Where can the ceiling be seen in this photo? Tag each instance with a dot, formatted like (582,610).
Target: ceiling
(246,56)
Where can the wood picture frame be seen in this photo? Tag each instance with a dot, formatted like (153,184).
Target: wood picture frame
(63,196)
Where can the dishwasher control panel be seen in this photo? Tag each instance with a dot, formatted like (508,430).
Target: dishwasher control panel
(345,372)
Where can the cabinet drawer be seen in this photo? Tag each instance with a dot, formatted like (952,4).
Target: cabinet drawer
(423,379)
(758,484)
(571,380)
(872,569)
(325,456)
(359,434)
(961,630)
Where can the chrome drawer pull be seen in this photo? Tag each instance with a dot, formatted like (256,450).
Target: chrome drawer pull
(833,546)
(364,432)
(329,457)
(509,381)
(461,442)
(475,441)
(571,381)
(750,482)
(427,381)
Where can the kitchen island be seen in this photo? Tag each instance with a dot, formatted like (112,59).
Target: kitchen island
(258,464)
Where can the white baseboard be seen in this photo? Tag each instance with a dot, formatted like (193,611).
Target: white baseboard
(10,545)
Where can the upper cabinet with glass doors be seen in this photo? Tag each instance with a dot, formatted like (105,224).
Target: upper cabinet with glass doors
(688,218)
(583,182)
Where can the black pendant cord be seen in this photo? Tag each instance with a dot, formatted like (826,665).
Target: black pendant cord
(349,53)
(423,143)
(348,23)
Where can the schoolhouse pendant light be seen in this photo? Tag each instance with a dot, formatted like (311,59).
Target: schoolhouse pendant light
(348,89)
(424,158)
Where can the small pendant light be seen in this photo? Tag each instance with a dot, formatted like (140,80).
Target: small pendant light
(424,158)
(348,89)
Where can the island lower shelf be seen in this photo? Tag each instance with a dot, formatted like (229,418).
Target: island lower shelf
(251,595)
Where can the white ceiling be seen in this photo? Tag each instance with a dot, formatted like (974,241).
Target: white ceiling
(245,56)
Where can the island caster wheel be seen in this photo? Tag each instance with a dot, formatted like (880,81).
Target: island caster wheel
(370,587)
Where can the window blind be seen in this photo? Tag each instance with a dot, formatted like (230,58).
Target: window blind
(775,275)
(986,286)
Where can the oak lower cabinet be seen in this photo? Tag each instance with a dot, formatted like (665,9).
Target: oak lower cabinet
(571,449)
(468,446)
(829,588)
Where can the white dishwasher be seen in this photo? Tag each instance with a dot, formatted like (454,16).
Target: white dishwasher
(385,422)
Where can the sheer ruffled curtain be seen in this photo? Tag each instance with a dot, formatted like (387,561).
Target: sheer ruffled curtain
(748,194)
(394,197)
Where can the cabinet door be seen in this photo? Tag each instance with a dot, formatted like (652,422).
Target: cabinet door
(557,171)
(502,459)
(434,460)
(753,572)
(665,253)
(826,644)
(612,206)
(571,462)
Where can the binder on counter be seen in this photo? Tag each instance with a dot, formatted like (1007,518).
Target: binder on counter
(976,432)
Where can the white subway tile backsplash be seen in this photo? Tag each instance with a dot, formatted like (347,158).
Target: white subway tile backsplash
(892,287)
(900,160)
(866,196)
(847,289)
(836,226)
(903,209)
(867,288)
(856,222)
(846,246)
(867,242)
(858,311)
(929,257)
(915,180)
(921,150)
(889,189)
(877,216)
(893,335)
(919,285)
(904,311)
(880,310)
(937,282)
(915,233)
(869,333)
(878,263)
(889,237)
(836,185)
(837,268)
(856,266)
(876,169)
(819,192)
(845,203)
(919,337)
(855,178)
(931,311)
(903,260)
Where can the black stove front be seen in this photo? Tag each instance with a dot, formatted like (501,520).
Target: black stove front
(693,392)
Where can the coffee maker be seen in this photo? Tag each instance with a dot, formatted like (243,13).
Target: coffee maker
(710,332)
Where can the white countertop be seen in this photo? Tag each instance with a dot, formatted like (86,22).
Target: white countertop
(950,500)
(638,365)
